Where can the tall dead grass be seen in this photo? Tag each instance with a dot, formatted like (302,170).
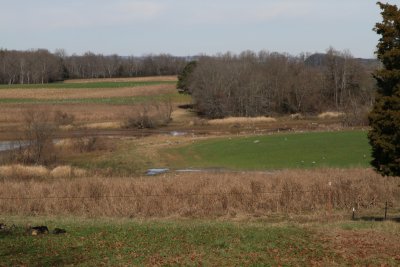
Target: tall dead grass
(241,120)
(23,172)
(330,115)
(200,194)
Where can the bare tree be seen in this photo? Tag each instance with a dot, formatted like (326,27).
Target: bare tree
(269,83)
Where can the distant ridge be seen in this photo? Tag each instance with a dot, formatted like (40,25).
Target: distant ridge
(319,60)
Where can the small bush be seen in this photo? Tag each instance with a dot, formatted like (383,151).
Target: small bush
(63,118)
(38,134)
(355,116)
(151,115)
(141,121)
(85,144)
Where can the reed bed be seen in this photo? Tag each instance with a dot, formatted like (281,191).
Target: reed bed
(200,195)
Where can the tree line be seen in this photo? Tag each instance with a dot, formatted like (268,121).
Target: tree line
(42,66)
(264,83)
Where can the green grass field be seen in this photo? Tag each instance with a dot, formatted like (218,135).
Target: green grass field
(280,151)
(272,152)
(89,85)
(123,100)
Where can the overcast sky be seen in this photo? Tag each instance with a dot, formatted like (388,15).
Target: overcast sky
(189,27)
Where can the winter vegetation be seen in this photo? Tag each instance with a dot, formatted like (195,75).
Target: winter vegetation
(41,66)
(267,158)
(262,84)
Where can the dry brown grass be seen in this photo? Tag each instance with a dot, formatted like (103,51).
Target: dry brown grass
(171,78)
(241,120)
(330,115)
(183,115)
(92,113)
(67,172)
(201,194)
(103,125)
(18,171)
(23,171)
(87,93)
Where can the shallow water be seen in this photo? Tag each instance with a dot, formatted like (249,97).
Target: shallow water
(11,145)
(151,172)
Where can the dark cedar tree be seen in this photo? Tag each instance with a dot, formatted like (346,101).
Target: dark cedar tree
(384,118)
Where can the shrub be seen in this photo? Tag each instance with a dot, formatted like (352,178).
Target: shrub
(63,118)
(85,144)
(355,116)
(150,115)
(38,134)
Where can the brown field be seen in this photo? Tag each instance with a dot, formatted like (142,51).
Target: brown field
(203,195)
(133,79)
(93,115)
(14,113)
(87,93)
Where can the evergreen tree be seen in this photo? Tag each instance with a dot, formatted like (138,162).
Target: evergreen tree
(384,119)
(183,77)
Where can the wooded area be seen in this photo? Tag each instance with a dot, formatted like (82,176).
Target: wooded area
(41,66)
(251,84)
(248,84)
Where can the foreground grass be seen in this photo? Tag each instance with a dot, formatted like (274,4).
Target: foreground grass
(85,85)
(281,151)
(121,242)
(161,243)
